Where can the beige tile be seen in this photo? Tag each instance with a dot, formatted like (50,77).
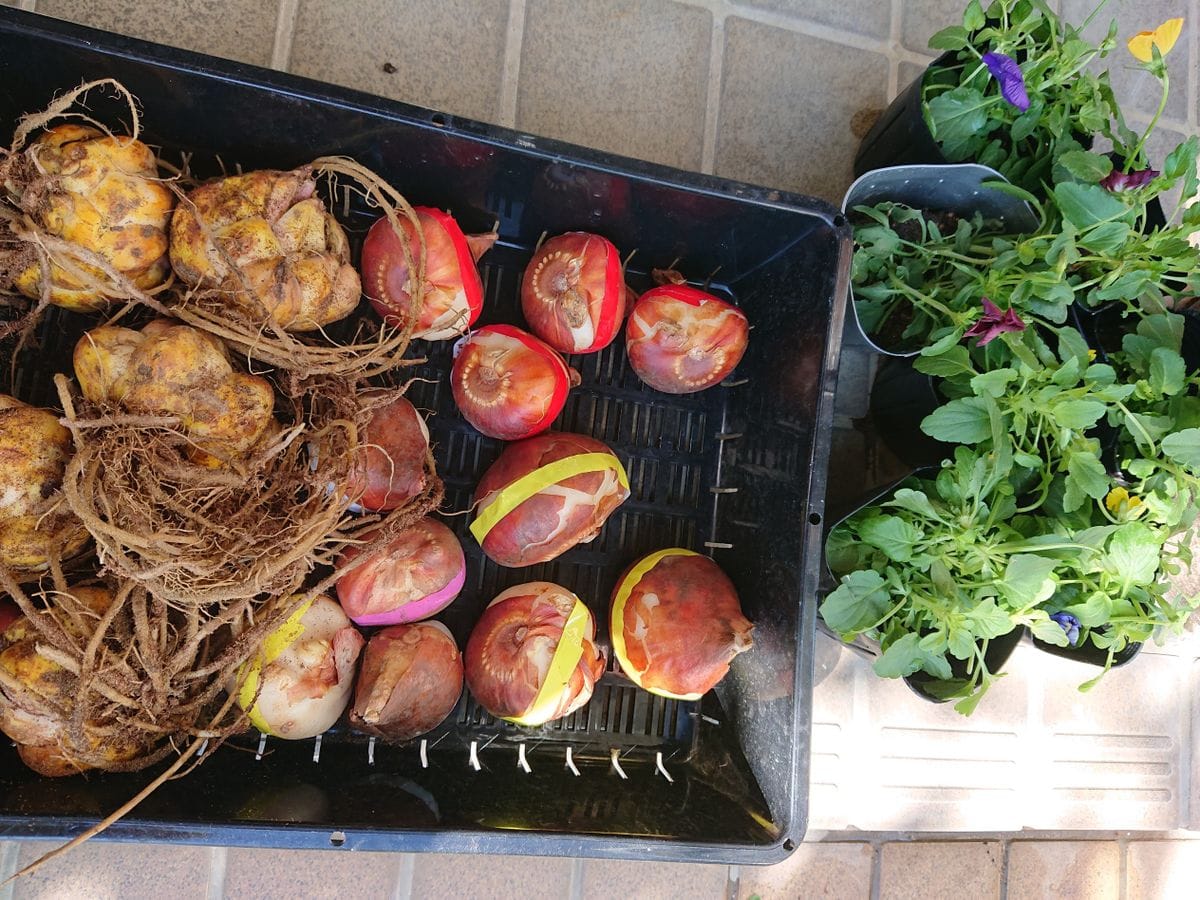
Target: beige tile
(237,29)
(1163,870)
(1064,870)
(442,54)
(828,871)
(316,874)
(628,77)
(1135,88)
(1111,757)
(457,877)
(909,72)
(921,19)
(869,17)
(789,106)
(932,871)
(606,879)
(101,870)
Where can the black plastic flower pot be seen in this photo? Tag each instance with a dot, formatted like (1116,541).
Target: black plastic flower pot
(995,656)
(1089,654)
(900,136)
(957,189)
(900,400)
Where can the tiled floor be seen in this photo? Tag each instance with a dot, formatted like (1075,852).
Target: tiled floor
(1045,792)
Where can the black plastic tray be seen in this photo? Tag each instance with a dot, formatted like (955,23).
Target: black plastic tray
(737,471)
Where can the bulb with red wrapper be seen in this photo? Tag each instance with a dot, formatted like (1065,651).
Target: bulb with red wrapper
(453,295)
(573,294)
(681,339)
(676,624)
(409,680)
(415,576)
(544,495)
(532,657)
(509,384)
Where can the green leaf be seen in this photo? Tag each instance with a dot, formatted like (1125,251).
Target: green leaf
(1085,205)
(961,643)
(859,602)
(964,421)
(990,621)
(1088,474)
(903,657)
(1046,629)
(1106,238)
(1128,286)
(1167,371)
(892,535)
(1133,554)
(959,119)
(993,383)
(954,361)
(914,501)
(1093,612)
(973,18)
(1085,166)
(952,38)
(1078,414)
(1027,580)
(1183,447)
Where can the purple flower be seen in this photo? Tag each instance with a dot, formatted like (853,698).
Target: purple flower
(1127,181)
(994,322)
(1069,624)
(1012,83)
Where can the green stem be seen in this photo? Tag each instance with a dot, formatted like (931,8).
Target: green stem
(1162,105)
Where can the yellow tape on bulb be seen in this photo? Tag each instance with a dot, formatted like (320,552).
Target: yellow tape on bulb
(278,641)
(562,666)
(616,618)
(513,495)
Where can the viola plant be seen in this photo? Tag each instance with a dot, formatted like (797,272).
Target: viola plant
(940,568)
(1015,91)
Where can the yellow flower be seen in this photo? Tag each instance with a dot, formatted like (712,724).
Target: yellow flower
(1141,45)
(1121,503)
(1091,356)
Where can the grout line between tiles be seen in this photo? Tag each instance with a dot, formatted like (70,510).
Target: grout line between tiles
(1193,93)
(404,876)
(285,28)
(9,851)
(218,861)
(733,880)
(1123,869)
(724,9)
(712,107)
(876,870)
(511,73)
(27,5)
(575,891)
(895,29)
(1005,853)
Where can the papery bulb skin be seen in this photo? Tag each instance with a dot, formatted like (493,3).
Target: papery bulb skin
(303,674)
(527,660)
(548,521)
(681,340)
(573,294)
(391,466)
(508,384)
(409,681)
(676,624)
(415,576)
(453,294)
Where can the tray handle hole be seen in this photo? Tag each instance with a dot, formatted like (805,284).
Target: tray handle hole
(789,845)
(337,838)
(839,221)
(438,119)
(814,518)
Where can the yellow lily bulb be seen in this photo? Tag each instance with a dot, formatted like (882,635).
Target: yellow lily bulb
(1141,45)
